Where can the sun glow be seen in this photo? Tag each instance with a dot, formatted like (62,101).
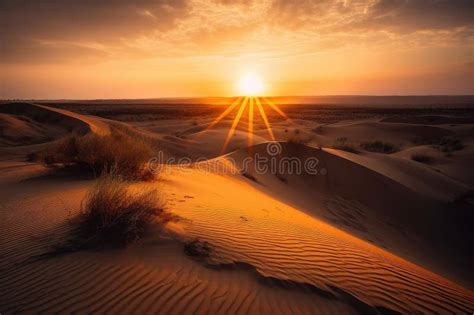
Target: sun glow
(251,85)
(247,109)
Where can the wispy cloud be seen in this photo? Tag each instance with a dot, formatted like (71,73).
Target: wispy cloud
(277,34)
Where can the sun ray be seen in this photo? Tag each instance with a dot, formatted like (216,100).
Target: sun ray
(250,100)
(250,129)
(275,108)
(243,105)
(221,116)
(265,119)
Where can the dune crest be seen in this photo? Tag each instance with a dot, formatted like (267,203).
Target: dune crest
(26,123)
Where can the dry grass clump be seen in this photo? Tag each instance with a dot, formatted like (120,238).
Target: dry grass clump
(379,147)
(343,144)
(422,158)
(92,153)
(113,215)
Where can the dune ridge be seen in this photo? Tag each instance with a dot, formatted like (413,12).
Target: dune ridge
(27,123)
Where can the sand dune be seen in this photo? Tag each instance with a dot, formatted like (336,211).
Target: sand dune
(301,264)
(247,225)
(21,130)
(96,125)
(431,120)
(45,115)
(390,204)
(154,276)
(401,134)
(25,124)
(415,176)
(368,233)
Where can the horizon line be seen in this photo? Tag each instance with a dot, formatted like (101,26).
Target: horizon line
(234,96)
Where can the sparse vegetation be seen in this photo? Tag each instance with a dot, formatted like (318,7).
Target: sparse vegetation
(298,137)
(379,147)
(343,144)
(319,130)
(422,158)
(444,144)
(92,153)
(113,215)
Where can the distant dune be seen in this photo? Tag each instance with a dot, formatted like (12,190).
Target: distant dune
(342,100)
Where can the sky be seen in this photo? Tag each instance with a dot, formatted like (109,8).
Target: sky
(92,49)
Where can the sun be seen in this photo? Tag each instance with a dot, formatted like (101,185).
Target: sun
(248,106)
(251,85)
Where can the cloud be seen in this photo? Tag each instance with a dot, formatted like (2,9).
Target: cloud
(50,31)
(397,16)
(27,25)
(418,15)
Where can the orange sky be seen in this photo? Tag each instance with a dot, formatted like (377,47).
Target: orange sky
(164,48)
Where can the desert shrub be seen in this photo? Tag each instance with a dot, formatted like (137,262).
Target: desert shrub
(379,147)
(448,145)
(319,130)
(421,158)
(94,153)
(112,215)
(343,144)
(298,137)
(443,144)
